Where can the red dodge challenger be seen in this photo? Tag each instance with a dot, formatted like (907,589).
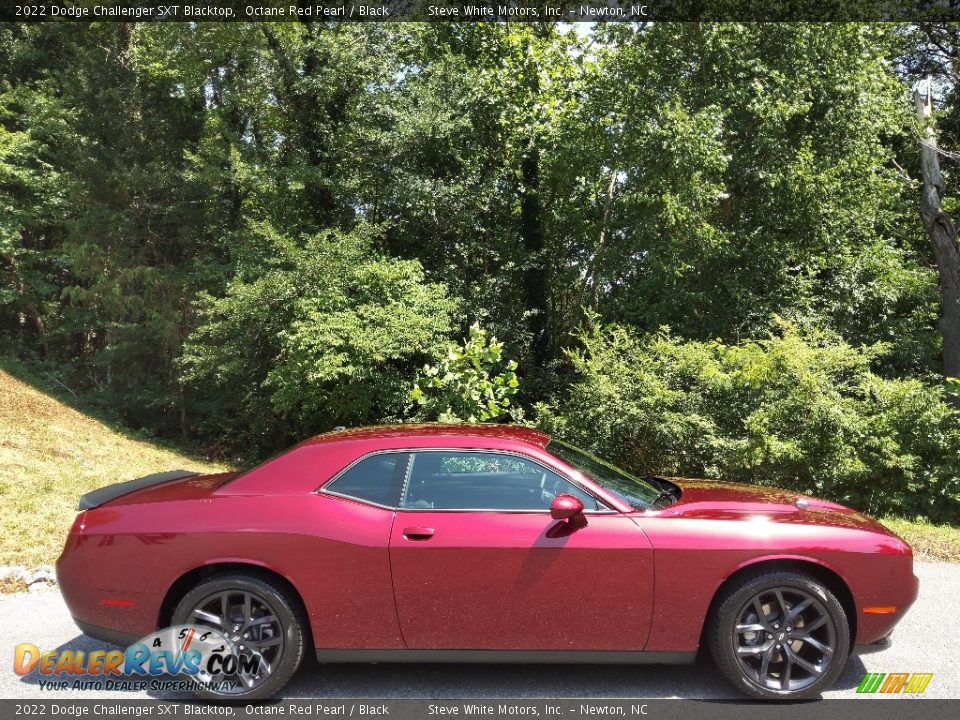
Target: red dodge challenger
(491,543)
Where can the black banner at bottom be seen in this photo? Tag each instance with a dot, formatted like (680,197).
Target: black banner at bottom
(894,708)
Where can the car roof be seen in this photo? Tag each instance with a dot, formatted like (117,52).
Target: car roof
(433,431)
(302,467)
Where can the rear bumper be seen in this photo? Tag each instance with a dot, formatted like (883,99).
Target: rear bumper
(112,616)
(117,637)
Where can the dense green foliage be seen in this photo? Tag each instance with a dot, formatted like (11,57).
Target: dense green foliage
(797,410)
(315,333)
(749,172)
(241,234)
(471,383)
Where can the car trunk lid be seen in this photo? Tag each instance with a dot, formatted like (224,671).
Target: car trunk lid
(158,487)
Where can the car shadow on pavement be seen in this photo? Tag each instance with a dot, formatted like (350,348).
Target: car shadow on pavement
(79,643)
(449,681)
(852,674)
(87,645)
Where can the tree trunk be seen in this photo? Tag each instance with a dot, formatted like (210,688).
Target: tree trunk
(535,277)
(943,238)
(592,278)
(31,310)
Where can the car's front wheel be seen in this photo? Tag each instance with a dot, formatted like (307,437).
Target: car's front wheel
(780,636)
(264,626)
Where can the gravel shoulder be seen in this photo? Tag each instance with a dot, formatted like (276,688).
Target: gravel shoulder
(919,645)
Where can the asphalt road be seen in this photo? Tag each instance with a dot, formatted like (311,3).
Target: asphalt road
(925,641)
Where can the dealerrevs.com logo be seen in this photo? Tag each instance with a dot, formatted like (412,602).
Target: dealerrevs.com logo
(890,683)
(203,657)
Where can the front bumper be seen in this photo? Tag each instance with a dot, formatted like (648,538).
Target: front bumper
(874,647)
(901,592)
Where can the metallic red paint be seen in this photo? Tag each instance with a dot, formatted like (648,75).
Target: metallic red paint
(565,507)
(503,581)
(378,578)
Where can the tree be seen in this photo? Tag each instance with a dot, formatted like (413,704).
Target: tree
(718,174)
(451,154)
(326,332)
(469,383)
(930,52)
(796,409)
(943,238)
(165,185)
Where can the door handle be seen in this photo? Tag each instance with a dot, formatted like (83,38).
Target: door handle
(418,533)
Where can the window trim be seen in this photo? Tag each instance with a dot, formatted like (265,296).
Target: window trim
(322,490)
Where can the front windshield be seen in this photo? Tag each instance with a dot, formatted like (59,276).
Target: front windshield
(638,493)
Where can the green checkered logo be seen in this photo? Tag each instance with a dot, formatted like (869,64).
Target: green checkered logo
(905,683)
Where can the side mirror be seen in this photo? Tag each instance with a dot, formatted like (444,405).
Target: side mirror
(565,507)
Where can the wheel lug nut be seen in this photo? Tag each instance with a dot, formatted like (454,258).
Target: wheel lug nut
(778,646)
(236,627)
(770,636)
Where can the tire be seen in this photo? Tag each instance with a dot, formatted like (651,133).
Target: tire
(284,644)
(768,659)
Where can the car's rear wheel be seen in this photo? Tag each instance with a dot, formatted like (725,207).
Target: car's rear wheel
(779,636)
(264,624)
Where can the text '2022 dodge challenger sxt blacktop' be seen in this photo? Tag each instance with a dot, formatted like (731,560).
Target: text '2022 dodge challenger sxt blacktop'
(486,543)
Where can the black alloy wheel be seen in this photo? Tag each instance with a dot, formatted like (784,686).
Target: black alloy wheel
(780,636)
(264,625)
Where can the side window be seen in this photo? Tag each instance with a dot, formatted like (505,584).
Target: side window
(376,479)
(443,480)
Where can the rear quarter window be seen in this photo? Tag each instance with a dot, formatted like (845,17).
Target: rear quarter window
(374,479)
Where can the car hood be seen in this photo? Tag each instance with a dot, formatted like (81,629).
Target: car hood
(714,499)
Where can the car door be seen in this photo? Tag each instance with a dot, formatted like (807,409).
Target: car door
(478,563)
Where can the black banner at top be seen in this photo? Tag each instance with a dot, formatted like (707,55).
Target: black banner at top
(547,11)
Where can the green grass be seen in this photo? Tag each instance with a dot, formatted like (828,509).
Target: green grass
(934,543)
(51,454)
